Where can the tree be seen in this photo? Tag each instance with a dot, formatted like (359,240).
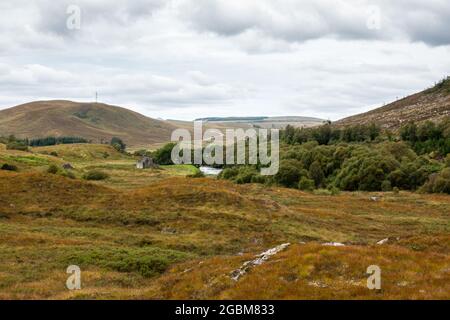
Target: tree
(289,173)
(163,156)
(373,131)
(118,144)
(306,184)
(316,173)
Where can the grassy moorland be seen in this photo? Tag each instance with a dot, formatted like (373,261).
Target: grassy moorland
(159,234)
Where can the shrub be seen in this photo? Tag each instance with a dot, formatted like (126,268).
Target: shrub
(17,145)
(147,262)
(306,184)
(396,190)
(198,174)
(54,153)
(118,144)
(438,182)
(229,173)
(386,186)
(322,192)
(9,167)
(163,156)
(95,175)
(316,173)
(246,175)
(52,169)
(334,191)
(68,174)
(289,173)
(141,153)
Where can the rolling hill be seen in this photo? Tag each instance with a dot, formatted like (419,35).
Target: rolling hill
(431,104)
(93,121)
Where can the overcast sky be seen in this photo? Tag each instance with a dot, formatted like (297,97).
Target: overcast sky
(184,59)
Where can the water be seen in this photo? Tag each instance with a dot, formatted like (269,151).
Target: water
(210,171)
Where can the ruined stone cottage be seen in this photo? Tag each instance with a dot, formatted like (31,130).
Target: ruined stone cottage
(145,162)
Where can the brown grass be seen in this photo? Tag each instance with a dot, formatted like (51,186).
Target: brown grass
(48,222)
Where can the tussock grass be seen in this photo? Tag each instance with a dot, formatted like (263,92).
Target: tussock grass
(135,234)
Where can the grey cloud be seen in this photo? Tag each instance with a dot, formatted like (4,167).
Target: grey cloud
(194,58)
(312,19)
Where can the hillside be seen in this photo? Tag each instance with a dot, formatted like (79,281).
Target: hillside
(181,238)
(431,104)
(93,121)
(264,122)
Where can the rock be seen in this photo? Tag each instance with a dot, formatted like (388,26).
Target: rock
(67,166)
(374,198)
(383,241)
(317,284)
(333,244)
(261,258)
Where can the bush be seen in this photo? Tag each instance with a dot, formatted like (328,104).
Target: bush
(289,173)
(95,175)
(141,153)
(68,174)
(52,169)
(316,173)
(9,167)
(386,186)
(322,192)
(396,190)
(163,156)
(438,183)
(118,144)
(334,191)
(54,153)
(17,145)
(198,174)
(306,184)
(246,175)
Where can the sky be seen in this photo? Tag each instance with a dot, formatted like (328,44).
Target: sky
(188,59)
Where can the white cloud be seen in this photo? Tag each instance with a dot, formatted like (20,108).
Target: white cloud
(196,58)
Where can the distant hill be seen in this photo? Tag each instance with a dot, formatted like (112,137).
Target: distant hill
(265,122)
(431,104)
(93,121)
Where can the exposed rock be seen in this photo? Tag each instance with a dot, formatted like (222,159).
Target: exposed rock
(67,166)
(333,244)
(383,241)
(317,284)
(261,258)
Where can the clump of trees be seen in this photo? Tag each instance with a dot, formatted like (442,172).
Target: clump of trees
(327,134)
(118,144)
(163,156)
(428,137)
(22,144)
(12,143)
(51,141)
(358,158)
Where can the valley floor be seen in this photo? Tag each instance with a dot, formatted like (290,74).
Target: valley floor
(157,234)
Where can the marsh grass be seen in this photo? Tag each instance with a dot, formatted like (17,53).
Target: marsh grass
(135,234)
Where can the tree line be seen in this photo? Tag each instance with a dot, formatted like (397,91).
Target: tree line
(361,157)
